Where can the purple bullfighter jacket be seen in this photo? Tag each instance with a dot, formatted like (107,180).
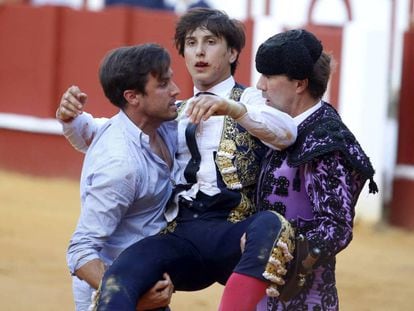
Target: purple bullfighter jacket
(315,184)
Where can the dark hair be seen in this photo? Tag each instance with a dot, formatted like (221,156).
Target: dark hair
(215,21)
(127,68)
(318,80)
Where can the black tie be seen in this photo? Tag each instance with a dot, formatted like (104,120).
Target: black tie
(190,172)
(193,165)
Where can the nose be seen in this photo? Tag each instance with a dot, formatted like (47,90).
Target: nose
(200,48)
(261,85)
(174,89)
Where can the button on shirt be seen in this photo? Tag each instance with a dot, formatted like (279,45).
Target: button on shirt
(124,189)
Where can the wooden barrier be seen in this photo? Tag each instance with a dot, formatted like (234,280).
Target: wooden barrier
(84,39)
(401,210)
(28,59)
(332,39)
(44,50)
(39,154)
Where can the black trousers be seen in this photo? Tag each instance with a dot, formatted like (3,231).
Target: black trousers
(203,249)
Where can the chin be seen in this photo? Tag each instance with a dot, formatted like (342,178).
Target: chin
(174,116)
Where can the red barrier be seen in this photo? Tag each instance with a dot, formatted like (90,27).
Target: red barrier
(38,154)
(46,49)
(28,54)
(405,153)
(331,37)
(243,72)
(402,212)
(162,33)
(84,39)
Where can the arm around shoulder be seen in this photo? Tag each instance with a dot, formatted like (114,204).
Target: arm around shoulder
(81,131)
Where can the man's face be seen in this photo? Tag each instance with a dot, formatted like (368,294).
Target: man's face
(279,91)
(208,58)
(159,102)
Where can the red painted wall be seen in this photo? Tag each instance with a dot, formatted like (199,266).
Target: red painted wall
(405,154)
(44,50)
(28,59)
(332,38)
(36,154)
(402,211)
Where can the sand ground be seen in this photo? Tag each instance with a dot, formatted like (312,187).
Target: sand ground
(38,215)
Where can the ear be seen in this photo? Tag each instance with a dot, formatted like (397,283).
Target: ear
(233,55)
(132,97)
(301,85)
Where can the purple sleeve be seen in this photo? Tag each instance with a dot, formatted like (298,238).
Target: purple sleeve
(333,187)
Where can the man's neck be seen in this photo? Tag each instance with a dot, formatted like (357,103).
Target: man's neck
(303,103)
(200,87)
(147,126)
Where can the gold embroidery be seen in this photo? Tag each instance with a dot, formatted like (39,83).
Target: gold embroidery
(281,254)
(224,161)
(170,227)
(242,211)
(237,163)
(236,93)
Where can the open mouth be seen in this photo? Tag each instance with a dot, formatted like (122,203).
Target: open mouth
(201,64)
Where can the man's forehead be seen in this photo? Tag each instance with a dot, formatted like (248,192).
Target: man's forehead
(166,74)
(200,31)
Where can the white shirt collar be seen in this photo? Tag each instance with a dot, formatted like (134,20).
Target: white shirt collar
(135,132)
(300,118)
(222,89)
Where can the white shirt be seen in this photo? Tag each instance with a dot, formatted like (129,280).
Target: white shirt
(275,128)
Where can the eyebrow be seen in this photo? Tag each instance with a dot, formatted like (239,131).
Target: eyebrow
(165,76)
(206,37)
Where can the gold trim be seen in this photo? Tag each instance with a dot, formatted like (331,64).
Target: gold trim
(170,227)
(242,211)
(280,256)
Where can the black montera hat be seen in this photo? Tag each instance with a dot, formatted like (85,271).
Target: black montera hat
(292,53)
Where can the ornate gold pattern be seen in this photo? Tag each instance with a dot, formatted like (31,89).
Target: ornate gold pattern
(237,163)
(242,211)
(224,161)
(280,256)
(236,93)
(170,227)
